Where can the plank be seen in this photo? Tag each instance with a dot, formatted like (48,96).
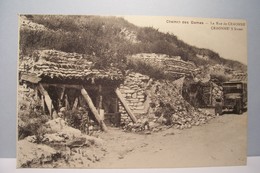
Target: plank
(67,104)
(47,100)
(124,103)
(43,104)
(94,87)
(62,93)
(100,98)
(93,108)
(75,105)
(61,85)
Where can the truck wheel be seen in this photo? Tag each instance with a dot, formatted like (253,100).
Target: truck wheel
(238,108)
(220,112)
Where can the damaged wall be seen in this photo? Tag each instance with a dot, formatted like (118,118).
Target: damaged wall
(133,90)
(140,92)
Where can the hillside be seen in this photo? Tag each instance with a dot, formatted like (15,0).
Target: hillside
(110,39)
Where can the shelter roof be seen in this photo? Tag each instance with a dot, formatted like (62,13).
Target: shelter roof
(60,65)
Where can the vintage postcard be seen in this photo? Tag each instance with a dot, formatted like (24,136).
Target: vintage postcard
(131,92)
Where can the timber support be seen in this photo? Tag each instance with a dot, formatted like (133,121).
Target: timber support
(93,108)
(48,101)
(124,103)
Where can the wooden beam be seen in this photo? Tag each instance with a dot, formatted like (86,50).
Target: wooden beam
(88,87)
(67,104)
(93,87)
(62,85)
(93,109)
(100,98)
(116,105)
(75,105)
(51,108)
(47,100)
(62,93)
(43,104)
(81,101)
(124,103)
(210,95)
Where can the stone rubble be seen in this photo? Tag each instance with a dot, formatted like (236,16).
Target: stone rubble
(180,113)
(166,104)
(60,146)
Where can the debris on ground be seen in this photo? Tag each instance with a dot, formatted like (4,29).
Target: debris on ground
(31,153)
(168,109)
(60,146)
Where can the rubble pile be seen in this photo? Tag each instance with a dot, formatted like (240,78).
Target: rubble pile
(166,107)
(26,97)
(30,153)
(60,146)
(59,131)
(172,107)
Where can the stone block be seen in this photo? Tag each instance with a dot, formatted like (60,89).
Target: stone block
(134,95)
(141,100)
(139,104)
(139,108)
(129,91)
(133,100)
(141,96)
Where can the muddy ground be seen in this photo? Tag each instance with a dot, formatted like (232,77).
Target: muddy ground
(222,141)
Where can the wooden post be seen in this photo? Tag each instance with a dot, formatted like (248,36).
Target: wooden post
(124,103)
(51,109)
(67,104)
(43,104)
(62,93)
(210,94)
(81,101)
(47,100)
(100,98)
(75,105)
(93,109)
(116,105)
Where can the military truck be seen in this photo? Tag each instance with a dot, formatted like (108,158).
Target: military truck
(234,96)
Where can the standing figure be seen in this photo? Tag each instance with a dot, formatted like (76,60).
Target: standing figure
(218,106)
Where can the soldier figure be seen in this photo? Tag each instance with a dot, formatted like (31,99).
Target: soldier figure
(218,107)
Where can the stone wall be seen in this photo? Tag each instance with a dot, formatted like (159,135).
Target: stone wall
(168,64)
(133,90)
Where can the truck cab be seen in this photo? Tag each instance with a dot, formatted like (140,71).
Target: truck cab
(235,96)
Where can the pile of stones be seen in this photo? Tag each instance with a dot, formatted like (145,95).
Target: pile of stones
(167,107)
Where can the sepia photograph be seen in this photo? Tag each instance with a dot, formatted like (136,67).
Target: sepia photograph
(104,92)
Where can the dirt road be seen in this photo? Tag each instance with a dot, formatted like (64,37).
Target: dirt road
(222,141)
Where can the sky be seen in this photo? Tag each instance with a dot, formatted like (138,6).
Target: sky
(227,37)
